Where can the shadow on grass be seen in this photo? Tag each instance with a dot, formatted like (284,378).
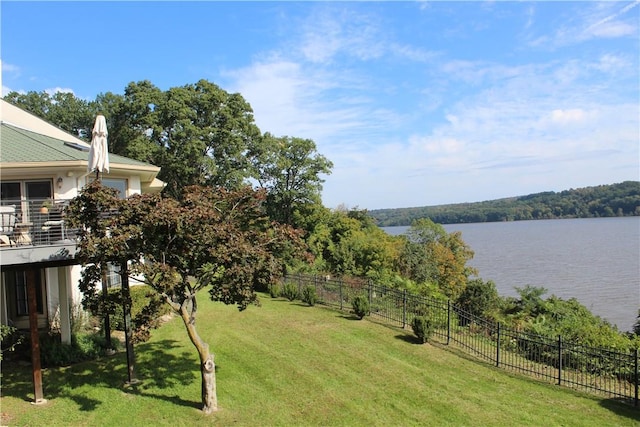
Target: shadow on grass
(349,316)
(411,339)
(159,366)
(623,409)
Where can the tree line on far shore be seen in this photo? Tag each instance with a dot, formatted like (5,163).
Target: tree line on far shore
(621,199)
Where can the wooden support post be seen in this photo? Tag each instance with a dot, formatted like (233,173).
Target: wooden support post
(105,297)
(35,338)
(128,333)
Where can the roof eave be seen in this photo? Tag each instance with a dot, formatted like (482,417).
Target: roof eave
(147,172)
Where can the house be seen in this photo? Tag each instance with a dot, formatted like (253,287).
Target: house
(41,168)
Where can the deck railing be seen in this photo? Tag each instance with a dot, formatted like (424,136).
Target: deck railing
(34,223)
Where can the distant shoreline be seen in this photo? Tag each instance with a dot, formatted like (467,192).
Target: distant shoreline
(603,201)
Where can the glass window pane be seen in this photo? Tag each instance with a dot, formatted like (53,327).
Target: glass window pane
(9,191)
(18,280)
(118,184)
(38,190)
(22,306)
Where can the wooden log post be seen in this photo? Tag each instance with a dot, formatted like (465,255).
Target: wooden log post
(35,338)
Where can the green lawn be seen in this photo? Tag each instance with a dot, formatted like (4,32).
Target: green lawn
(286,364)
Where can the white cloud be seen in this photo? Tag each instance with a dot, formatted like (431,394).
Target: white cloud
(591,20)
(530,13)
(54,90)
(300,100)
(612,30)
(9,68)
(608,26)
(610,63)
(570,116)
(333,31)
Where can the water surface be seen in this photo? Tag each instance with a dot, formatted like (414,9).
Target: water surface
(596,260)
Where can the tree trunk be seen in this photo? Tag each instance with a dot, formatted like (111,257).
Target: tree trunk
(207,366)
(209,395)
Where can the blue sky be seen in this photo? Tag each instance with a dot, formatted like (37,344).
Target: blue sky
(415,103)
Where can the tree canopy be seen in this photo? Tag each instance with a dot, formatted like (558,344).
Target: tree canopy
(289,169)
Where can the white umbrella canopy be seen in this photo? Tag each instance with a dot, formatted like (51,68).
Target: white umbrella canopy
(99,152)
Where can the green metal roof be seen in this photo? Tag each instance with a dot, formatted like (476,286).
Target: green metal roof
(20,145)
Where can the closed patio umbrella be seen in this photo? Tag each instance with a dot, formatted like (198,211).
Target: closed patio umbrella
(99,161)
(99,152)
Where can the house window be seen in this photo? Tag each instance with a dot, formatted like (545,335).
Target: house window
(113,272)
(116,183)
(25,195)
(113,276)
(16,285)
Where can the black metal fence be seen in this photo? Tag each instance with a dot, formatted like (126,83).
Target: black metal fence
(599,370)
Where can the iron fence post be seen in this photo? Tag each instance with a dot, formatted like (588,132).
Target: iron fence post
(498,348)
(404,308)
(559,359)
(635,400)
(448,321)
(340,284)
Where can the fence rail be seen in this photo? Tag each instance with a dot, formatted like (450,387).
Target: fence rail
(598,370)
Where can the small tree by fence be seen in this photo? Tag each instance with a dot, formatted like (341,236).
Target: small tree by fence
(600,370)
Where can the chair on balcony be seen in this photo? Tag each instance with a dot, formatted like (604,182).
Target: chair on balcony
(54,227)
(8,221)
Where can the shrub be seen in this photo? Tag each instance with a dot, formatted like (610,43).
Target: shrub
(309,295)
(422,327)
(290,291)
(10,338)
(83,347)
(275,290)
(360,305)
(141,297)
(477,299)
(79,319)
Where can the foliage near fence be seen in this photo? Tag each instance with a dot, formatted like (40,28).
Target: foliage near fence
(605,371)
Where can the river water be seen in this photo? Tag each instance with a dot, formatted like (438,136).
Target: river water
(595,260)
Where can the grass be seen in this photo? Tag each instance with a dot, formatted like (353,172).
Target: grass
(291,365)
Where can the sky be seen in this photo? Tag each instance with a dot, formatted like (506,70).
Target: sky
(415,103)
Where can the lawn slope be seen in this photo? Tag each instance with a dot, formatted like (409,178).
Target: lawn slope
(290,365)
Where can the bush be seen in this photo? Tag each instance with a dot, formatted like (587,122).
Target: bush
(309,295)
(360,305)
(290,291)
(83,347)
(422,327)
(477,299)
(275,290)
(10,338)
(141,296)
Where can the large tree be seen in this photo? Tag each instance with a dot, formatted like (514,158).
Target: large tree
(214,240)
(290,169)
(197,133)
(434,256)
(62,109)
